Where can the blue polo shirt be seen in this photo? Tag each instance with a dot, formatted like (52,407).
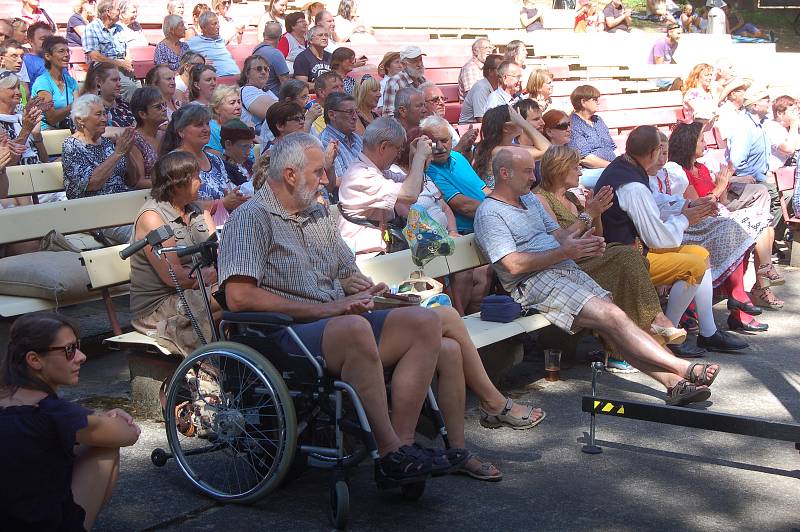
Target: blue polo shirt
(748,148)
(455,177)
(215,50)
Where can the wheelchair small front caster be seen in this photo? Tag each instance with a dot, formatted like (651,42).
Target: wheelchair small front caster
(412,492)
(339,510)
(159,457)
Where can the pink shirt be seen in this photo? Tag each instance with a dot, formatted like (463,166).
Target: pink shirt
(367,193)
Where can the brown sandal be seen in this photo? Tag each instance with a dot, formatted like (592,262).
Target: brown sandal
(685,392)
(702,378)
(483,471)
(505,419)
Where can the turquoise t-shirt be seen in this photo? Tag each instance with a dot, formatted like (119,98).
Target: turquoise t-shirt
(454,178)
(60,99)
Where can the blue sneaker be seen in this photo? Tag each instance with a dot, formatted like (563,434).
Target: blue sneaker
(615,365)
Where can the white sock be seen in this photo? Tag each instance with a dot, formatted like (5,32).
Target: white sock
(704,299)
(680,295)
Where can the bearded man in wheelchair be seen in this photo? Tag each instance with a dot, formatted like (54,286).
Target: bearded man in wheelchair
(281,252)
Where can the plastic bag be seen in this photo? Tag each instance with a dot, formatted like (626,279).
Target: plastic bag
(426,237)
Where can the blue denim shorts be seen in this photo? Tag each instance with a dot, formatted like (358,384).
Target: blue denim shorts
(311,333)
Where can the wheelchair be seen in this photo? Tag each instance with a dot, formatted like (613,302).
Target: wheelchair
(244,418)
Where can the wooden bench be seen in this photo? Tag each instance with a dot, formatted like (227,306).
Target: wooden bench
(67,217)
(107,271)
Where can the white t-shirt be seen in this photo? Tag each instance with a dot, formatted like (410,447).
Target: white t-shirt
(777,135)
(717,22)
(250,94)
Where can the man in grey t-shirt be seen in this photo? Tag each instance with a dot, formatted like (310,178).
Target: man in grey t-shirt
(278,69)
(474,104)
(535,260)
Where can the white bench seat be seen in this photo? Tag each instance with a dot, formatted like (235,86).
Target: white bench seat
(138,339)
(17,305)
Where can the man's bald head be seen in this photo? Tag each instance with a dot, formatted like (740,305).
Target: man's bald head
(513,170)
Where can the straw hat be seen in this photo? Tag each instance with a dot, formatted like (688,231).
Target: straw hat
(754,94)
(732,85)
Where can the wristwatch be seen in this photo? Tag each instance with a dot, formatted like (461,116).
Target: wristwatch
(585,218)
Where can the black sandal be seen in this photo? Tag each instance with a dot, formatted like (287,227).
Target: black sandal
(444,461)
(406,465)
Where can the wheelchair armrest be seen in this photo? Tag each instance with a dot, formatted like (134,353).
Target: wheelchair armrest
(264,318)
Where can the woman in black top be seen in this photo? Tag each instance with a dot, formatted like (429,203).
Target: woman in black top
(60,460)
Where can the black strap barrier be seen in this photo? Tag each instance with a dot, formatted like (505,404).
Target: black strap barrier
(699,419)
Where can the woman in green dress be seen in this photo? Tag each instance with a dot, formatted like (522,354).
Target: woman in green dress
(622,270)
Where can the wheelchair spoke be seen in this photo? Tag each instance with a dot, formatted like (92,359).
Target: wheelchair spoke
(234,403)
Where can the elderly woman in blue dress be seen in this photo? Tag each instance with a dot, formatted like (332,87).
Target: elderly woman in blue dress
(95,165)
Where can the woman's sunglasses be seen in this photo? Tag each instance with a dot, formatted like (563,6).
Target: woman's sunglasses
(69,349)
(563,126)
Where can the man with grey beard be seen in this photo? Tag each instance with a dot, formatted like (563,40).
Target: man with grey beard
(282,253)
(412,75)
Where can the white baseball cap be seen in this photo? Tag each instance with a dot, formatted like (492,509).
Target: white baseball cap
(411,52)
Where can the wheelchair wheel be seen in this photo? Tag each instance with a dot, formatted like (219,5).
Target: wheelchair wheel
(230,422)
(339,504)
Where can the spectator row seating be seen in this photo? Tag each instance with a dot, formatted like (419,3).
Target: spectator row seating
(107,271)
(49,279)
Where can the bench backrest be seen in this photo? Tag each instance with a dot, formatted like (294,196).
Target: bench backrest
(28,179)
(73,216)
(394,268)
(105,267)
(54,140)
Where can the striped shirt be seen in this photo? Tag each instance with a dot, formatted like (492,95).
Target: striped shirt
(297,256)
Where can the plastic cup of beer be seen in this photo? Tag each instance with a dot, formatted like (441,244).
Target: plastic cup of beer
(552,364)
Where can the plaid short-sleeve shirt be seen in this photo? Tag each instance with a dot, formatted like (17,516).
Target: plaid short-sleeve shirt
(297,256)
(98,38)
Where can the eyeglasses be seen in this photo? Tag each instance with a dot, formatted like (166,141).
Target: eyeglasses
(436,99)
(351,112)
(5,74)
(69,349)
(563,126)
(160,106)
(260,68)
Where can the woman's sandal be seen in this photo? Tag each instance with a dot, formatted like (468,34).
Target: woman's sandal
(484,470)
(505,419)
(685,392)
(702,378)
